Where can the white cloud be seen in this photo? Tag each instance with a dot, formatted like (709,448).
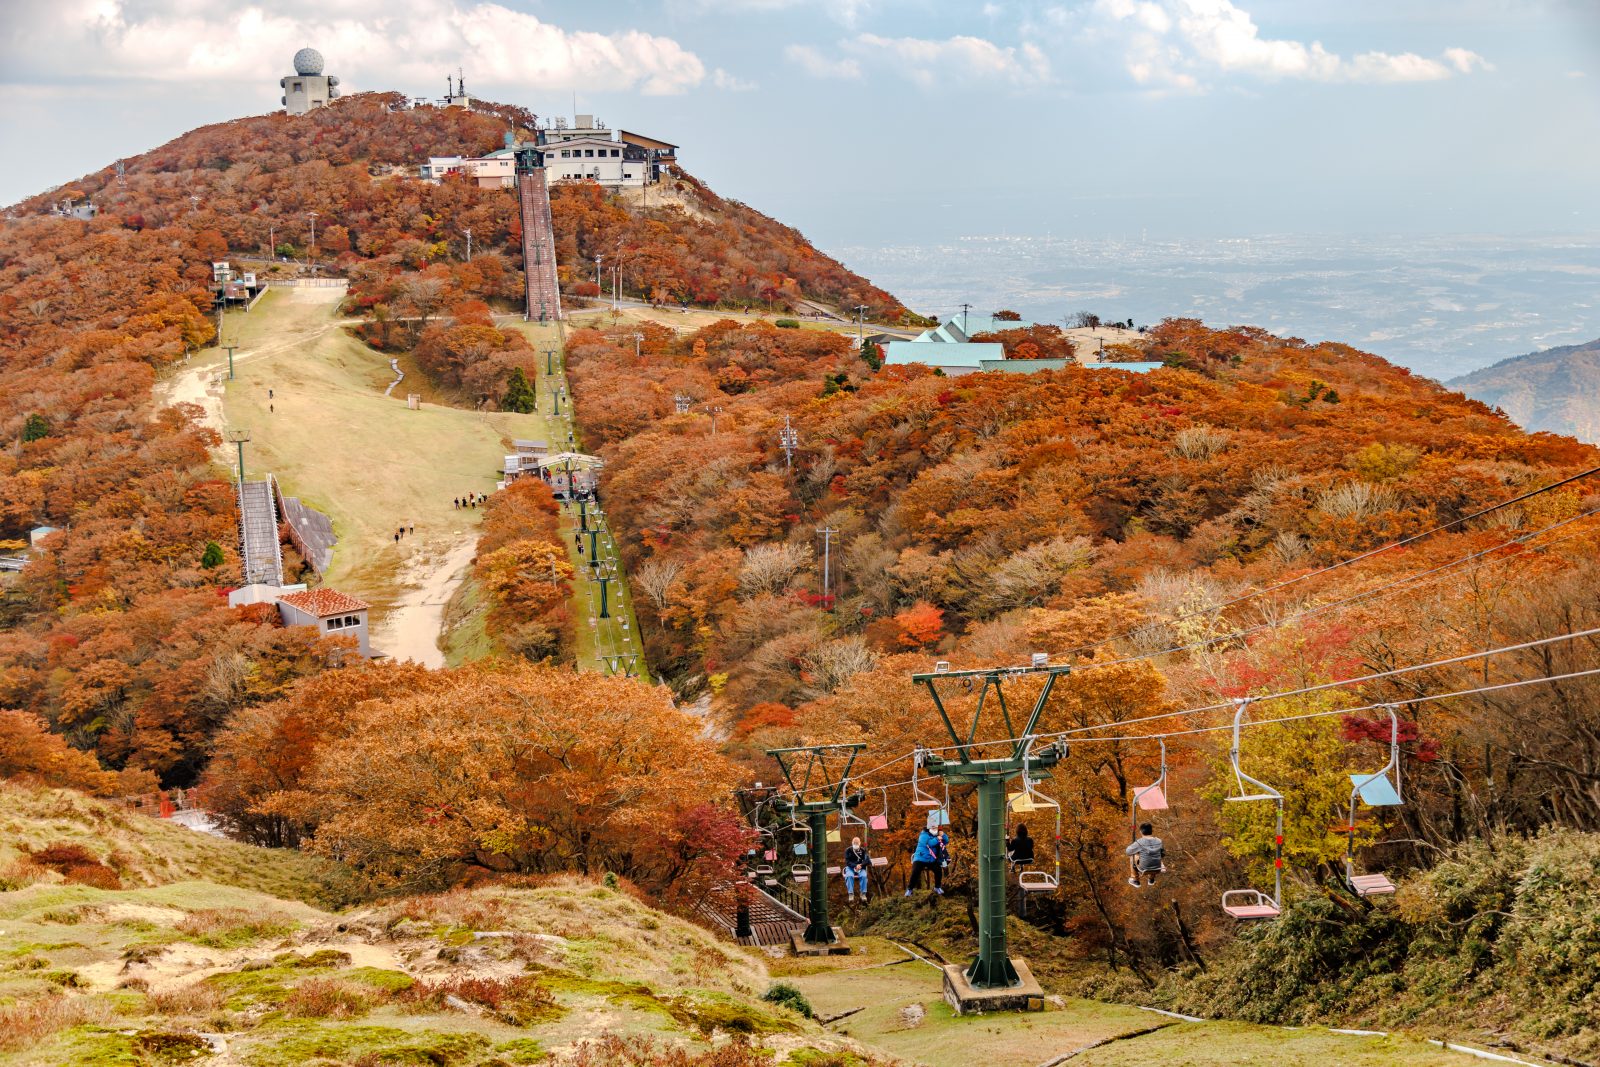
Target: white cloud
(1177,43)
(847,12)
(814,63)
(730,82)
(956,59)
(382,44)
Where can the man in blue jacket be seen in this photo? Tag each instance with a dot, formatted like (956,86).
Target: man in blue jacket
(924,858)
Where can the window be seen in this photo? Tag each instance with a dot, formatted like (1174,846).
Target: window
(565,153)
(335,624)
(615,152)
(588,152)
(352,620)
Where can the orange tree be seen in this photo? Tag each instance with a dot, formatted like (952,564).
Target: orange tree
(523,768)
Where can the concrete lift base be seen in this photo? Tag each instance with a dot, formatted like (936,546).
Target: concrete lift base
(965,999)
(802,947)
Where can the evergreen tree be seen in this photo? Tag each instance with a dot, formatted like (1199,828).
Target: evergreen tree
(36,427)
(520,396)
(212,557)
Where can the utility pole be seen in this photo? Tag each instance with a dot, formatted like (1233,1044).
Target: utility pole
(714,413)
(638,339)
(787,439)
(468,232)
(598,259)
(272,241)
(231,349)
(861,325)
(240,438)
(313,216)
(827,533)
(964,319)
(800,766)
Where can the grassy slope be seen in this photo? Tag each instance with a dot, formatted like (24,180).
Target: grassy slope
(96,976)
(366,460)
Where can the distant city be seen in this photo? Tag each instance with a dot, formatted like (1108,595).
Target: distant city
(1441,306)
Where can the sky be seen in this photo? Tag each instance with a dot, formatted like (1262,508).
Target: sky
(877,122)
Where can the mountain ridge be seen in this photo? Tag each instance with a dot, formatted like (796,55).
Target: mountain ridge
(1555,389)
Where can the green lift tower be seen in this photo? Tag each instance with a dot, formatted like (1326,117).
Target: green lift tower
(993,981)
(818,792)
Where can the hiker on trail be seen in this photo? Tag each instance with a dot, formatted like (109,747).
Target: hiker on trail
(410,530)
(925,857)
(1019,850)
(272,409)
(1147,856)
(457,502)
(397,539)
(269,394)
(856,863)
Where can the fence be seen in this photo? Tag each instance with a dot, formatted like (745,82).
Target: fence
(307,283)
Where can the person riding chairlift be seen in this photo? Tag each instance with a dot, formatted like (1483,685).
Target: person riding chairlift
(1019,850)
(1146,856)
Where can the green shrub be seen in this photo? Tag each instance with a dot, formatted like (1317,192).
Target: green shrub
(787,996)
(787,324)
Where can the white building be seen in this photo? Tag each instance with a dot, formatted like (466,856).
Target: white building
(334,613)
(308,87)
(589,151)
(496,170)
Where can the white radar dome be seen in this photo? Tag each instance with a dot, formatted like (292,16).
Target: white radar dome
(308,61)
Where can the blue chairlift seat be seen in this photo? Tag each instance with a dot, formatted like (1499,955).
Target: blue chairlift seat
(1375,792)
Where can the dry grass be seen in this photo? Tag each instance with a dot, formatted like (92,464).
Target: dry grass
(35,1021)
(143,851)
(328,998)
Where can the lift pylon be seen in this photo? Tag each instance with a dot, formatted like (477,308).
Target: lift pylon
(818,776)
(993,981)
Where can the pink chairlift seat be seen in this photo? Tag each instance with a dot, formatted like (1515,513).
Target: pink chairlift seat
(1153,799)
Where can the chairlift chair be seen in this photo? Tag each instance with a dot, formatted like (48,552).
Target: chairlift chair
(1033,880)
(918,797)
(1152,797)
(880,821)
(1376,791)
(1252,903)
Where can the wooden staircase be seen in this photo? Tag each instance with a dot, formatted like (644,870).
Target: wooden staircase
(538,248)
(771,921)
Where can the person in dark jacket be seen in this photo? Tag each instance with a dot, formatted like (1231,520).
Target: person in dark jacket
(856,865)
(943,854)
(1019,850)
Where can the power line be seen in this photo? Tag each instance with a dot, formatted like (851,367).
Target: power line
(1075,733)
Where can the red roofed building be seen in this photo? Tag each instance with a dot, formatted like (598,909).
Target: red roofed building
(330,611)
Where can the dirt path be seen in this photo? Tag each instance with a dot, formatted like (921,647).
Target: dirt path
(410,629)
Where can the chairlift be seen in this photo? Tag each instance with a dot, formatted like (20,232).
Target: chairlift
(1032,880)
(918,797)
(1152,797)
(1252,903)
(801,872)
(1376,791)
(880,821)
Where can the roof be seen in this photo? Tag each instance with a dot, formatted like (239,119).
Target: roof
(645,142)
(323,602)
(944,333)
(970,354)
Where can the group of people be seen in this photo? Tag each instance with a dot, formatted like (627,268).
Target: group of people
(1146,857)
(403,531)
(471,500)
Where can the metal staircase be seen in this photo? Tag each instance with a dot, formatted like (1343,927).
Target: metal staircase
(258,533)
(538,247)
